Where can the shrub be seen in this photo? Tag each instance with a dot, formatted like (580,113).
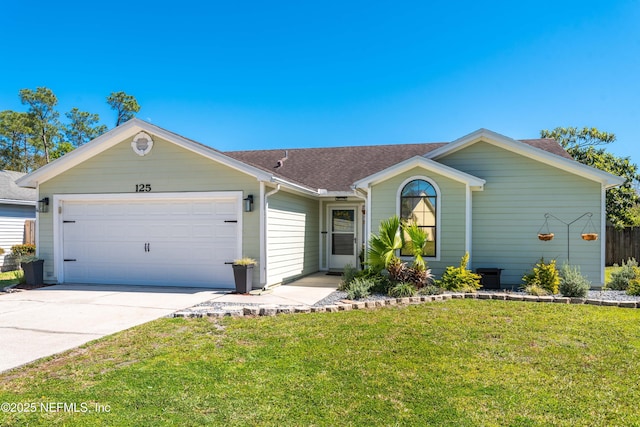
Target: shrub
(22,250)
(460,279)
(381,284)
(359,288)
(572,282)
(544,276)
(536,290)
(419,276)
(621,277)
(402,290)
(430,290)
(348,274)
(634,284)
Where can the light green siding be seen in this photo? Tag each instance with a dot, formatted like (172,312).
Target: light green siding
(292,237)
(452,206)
(509,212)
(167,168)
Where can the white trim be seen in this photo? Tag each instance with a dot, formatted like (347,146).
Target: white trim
(298,187)
(603,233)
(427,164)
(438,210)
(490,137)
(123,132)
(134,144)
(18,202)
(368,223)
(357,225)
(263,243)
(320,243)
(468,233)
(265,266)
(37,227)
(59,199)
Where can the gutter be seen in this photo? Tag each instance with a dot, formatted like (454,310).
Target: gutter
(298,187)
(263,249)
(18,202)
(366,218)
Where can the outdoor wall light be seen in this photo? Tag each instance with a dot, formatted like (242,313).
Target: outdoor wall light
(43,205)
(248,203)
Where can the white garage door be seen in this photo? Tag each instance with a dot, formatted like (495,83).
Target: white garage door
(151,242)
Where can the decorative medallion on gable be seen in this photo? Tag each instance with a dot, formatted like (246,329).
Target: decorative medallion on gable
(142,144)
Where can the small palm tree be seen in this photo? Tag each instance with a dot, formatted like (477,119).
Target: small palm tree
(418,239)
(383,247)
(392,236)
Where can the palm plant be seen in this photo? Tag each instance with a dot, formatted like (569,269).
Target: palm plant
(383,247)
(417,240)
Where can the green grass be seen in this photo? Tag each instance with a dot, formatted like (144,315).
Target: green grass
(10,278)
(456,363)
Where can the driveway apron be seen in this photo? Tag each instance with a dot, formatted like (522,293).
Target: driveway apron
(46,321)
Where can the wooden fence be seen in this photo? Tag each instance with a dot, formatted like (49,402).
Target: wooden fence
(622,245)
(29,232)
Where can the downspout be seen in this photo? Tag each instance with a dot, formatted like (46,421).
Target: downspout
(263,249)
(365,218)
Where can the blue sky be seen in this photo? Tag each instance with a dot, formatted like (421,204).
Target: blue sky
(285,74)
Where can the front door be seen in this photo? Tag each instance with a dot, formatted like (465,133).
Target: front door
(342,238)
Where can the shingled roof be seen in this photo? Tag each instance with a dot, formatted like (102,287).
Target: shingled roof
(9,190)
(337,168)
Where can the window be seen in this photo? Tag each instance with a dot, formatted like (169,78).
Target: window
(419,204)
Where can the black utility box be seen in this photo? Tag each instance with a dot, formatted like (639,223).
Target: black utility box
(490,277)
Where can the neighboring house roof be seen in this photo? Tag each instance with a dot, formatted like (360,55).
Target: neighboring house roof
(11,193)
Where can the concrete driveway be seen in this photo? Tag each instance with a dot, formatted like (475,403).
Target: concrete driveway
(46,321)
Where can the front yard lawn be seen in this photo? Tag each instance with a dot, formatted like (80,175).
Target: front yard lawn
(455,363)
(9,278)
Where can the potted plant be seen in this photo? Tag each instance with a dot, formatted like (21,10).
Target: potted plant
(33,268)
(243,274)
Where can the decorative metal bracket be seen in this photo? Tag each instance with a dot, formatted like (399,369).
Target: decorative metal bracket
(585,236)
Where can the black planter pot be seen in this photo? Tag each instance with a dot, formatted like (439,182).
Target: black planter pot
(243,275)
(33,272)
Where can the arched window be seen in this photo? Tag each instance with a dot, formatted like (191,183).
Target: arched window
(419,204)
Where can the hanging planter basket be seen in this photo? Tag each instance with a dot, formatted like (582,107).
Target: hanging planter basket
(545,236)
(589,236)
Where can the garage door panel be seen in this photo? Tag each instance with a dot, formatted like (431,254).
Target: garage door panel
(225,208)
(203,208)
(167,242)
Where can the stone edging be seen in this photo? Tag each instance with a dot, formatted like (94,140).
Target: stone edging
(272,310)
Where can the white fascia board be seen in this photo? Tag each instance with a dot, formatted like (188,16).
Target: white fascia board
(332,194)
(296,187)
(419,161)
(122,132)
(518,147)
(17,202)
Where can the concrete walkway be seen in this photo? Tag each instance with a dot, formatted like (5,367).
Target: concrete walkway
(46,321)
(305,291)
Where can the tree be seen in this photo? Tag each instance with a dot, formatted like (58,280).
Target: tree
(82,127)
(572,138)
(581,145)
(125,106)
(15,150)
(44,117)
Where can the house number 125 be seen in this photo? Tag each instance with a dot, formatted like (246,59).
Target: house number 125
(143,188)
